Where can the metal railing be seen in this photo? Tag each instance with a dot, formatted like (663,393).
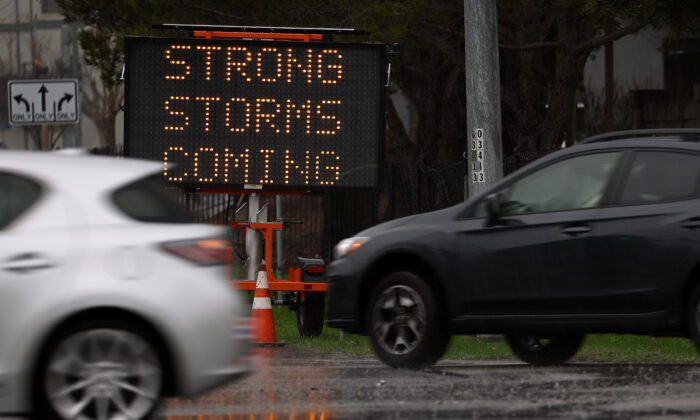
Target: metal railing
(684,134)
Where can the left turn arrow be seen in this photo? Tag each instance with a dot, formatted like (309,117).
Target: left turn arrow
(20,99)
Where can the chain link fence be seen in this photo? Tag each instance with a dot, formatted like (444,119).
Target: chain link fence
(410,186)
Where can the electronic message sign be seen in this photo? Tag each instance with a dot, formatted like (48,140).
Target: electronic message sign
(277,115)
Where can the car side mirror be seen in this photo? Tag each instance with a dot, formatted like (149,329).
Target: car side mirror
(493,206)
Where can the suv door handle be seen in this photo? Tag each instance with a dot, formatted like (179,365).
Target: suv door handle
(692,223)
(25,263)
(574,230)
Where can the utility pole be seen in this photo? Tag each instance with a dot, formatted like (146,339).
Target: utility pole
(484,151)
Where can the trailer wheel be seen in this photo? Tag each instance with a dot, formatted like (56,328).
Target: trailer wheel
(310,314)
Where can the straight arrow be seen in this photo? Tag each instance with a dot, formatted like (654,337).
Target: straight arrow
(20,99)
(43,92)
(66,98)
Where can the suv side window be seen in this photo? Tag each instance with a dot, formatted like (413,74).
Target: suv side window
(18,194)
(661,176)
(575,183)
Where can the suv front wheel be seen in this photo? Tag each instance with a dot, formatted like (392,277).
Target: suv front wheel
(404,322)
(544,349)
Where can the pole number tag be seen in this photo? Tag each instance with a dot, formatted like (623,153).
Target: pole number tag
(478,167)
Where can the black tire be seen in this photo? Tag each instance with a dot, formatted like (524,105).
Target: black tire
(98,366)
(310,314)
(404,322)
(544,349)
(692,316)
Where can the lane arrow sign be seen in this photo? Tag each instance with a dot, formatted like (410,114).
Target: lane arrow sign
(20,99)
(40,102)
(43,92)
(66,98)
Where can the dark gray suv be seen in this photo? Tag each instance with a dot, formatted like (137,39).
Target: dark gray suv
(601,237)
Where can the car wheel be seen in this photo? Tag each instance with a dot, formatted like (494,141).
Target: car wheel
(310,314)
(544,350)
(404,322)
(99,369)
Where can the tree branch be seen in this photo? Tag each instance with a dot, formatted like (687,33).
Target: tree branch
(528,47)
(213,11)
(613,36)
(547,23)
(444,46)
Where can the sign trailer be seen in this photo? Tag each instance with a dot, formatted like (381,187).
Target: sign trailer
(260,111)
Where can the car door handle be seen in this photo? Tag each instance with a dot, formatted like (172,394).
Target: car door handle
(576,230)
(25,263)
(692,223)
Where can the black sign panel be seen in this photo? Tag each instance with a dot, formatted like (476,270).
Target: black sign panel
(278,115)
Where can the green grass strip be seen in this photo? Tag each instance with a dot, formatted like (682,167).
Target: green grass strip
(597,348)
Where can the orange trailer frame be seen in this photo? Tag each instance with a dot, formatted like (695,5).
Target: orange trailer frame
(293,283)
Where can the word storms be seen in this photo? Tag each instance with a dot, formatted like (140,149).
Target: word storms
(242,115)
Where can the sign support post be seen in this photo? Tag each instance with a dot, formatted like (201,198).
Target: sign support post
(252,238)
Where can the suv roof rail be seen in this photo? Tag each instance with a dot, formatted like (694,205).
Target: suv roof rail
(686,134)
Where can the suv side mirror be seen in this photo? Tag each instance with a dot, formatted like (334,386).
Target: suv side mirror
(493,206)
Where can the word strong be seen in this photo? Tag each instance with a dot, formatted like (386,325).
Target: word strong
(266,65)
(257,114)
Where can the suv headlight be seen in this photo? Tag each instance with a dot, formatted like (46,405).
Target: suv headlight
(346,246)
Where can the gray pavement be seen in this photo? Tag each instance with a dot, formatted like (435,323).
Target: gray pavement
(300,384)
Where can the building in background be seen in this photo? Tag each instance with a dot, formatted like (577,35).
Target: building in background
(36,43)
(657,83)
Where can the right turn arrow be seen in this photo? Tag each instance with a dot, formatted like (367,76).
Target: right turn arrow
(66,98)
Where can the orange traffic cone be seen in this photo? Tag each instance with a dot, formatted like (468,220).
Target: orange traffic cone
(262,320)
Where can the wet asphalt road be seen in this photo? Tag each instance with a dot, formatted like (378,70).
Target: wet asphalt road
(301,384)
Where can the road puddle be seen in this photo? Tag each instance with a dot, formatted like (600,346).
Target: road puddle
(271,392)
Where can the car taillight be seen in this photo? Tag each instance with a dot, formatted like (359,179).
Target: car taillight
(202,251)
(315,269)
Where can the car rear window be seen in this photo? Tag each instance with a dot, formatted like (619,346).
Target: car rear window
(18,194)
(149,200)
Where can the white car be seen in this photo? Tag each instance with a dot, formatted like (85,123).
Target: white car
(109,297)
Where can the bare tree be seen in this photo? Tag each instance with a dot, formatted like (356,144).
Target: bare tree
(46,136)
(101,104)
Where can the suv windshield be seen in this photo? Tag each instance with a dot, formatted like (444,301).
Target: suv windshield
(148,200)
